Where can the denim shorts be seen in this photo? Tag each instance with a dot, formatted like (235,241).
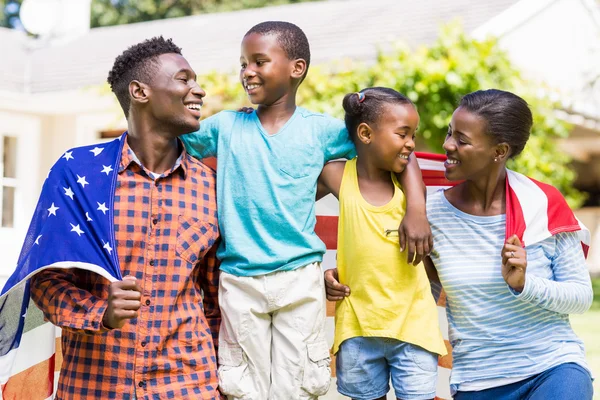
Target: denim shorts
(364,366)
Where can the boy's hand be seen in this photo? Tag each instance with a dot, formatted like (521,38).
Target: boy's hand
(334,289)
(415,234)
(123,302)
(514,263)
(247,110)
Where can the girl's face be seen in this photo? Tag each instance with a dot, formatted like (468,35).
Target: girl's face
(393,136)
(470,150)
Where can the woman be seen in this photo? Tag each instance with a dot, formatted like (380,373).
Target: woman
(507,305)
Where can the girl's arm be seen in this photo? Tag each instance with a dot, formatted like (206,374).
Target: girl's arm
(414,230)
(330,179)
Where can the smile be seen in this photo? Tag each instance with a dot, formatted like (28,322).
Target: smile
(194,106)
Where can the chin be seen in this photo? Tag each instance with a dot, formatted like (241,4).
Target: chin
(451,178)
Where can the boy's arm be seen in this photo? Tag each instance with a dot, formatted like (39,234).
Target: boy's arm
(58,294)
(330,179)
(414,230)
(203,143)
(209,283)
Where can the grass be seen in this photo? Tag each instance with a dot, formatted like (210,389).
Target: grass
(586,327)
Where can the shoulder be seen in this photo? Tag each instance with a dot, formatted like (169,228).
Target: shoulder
(320,119)
(197,168)
(95,154)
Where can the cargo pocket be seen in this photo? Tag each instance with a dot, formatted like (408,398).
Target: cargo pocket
(234,373)
(317,373)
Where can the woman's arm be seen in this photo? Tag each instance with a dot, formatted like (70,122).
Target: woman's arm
(570,292)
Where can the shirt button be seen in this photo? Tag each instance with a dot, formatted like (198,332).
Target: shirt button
(142,384)
(151,263)
(147,302)
(143,344)
(155,221)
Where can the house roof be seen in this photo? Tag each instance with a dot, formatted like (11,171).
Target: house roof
(335,29)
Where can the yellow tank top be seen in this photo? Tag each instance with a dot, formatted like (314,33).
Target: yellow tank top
(389,298)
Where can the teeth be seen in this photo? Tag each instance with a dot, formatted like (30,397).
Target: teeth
(405,157)
(196,107)
(450,161)
(250,87)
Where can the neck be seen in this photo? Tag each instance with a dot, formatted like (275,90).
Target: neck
(486,194)
(280,110)
(367,170)
(156,149)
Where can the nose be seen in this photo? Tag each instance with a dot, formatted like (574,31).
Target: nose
(198,91)
(449,143)
(410,144)
(247,73)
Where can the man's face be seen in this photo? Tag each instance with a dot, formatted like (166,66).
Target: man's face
(266,70)
(175,98)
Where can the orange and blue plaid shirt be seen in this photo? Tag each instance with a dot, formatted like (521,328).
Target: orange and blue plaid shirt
(165,230)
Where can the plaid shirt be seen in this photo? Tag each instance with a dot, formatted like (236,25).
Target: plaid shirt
(165,230)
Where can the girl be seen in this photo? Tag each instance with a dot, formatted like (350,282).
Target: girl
(388,327)
(508,306)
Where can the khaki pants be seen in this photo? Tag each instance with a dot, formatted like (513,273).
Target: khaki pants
(272,341)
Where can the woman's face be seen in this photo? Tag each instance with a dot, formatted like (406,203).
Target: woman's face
(470,150)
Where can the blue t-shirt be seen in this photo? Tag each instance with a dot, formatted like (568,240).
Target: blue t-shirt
(266,186)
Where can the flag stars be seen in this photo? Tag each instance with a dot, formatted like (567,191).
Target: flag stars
(81,180)
(68,155)
(106,169)
(102,207)
(69,192)
(37,240)
(87,216)
(76,229)
(108,248)
(52,209)
(97,150)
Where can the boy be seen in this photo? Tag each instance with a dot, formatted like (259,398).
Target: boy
(271,293)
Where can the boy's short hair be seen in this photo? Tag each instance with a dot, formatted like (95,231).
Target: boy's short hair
(138,62)
(289,36)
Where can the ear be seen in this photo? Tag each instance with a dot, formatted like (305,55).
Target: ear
(138,92)
(502,152)
(298,68)
(364,132)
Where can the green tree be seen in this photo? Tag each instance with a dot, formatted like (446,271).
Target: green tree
(117,12)
(434,77)
(9,15)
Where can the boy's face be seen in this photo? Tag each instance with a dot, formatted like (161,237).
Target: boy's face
(266,71)
(175,98)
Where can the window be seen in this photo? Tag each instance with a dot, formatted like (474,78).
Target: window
(8,181)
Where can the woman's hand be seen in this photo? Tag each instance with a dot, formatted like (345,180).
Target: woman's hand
(415,234)
(514,263)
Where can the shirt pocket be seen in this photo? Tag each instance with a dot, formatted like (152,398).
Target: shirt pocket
(298,161)
(194,238)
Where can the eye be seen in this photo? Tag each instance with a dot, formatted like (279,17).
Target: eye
(244,65)
(260,63)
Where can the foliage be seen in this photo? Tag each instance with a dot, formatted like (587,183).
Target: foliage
(9,15)
(117,12)
(434,77)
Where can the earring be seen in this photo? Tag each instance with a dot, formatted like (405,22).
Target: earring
(495,159)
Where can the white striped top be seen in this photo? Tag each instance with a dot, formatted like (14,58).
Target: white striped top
(495,332)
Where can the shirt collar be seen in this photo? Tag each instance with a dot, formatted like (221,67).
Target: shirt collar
(128,158)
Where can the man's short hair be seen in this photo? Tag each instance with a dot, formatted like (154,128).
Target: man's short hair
(138,62)
(289,36)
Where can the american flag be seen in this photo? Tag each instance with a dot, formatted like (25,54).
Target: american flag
(73,227)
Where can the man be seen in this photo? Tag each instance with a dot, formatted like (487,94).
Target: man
(148,335)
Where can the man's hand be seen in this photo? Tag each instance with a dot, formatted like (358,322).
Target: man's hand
(123,302)
(246,110)
(514,263)
(334,289)
(415,234)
